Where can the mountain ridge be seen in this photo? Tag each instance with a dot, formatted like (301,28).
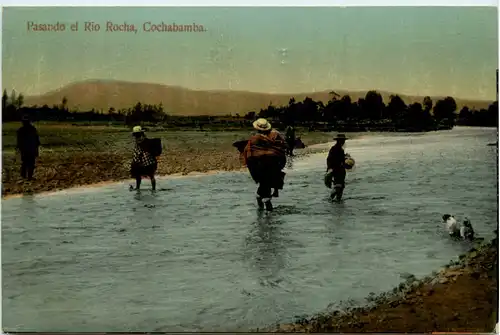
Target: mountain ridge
(101,94)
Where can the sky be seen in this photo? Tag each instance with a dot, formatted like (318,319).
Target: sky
(407,50)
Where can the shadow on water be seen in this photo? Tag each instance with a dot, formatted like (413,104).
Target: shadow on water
(264,246)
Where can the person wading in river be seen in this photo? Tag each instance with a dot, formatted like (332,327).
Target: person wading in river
(143,162)
(290,139)
(335,165)
(265,157)
(28,143)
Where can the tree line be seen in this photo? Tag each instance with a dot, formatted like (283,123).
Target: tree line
(13,110)
(339,112)
(371,111)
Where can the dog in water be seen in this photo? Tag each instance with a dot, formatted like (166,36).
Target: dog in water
(451,225)
(456,230)
(466,230)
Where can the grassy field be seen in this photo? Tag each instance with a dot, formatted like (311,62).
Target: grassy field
(73,155)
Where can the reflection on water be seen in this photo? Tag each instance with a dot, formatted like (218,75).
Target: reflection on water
(265,247)
(198,256)
(28,207)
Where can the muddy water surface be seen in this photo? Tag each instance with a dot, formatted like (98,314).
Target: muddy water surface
(198,256)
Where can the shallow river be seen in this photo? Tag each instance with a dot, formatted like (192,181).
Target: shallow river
(197,255)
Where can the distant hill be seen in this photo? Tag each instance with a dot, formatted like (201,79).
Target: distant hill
(103,94)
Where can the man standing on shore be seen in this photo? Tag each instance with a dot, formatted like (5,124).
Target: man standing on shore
(335,164)
(28,143)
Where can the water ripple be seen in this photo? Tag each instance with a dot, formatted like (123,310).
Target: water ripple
(198,256)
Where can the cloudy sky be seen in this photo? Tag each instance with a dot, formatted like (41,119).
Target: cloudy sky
(410,50)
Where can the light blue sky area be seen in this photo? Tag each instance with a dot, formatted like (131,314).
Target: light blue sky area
(410,50)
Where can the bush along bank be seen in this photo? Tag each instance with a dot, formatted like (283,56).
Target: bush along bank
(462,297)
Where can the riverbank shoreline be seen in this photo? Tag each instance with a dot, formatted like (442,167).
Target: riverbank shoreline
(111,182)
(84,156)
(461,297)
(37,187)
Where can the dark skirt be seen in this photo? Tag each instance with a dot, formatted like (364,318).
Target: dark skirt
(267,170)
(140,171)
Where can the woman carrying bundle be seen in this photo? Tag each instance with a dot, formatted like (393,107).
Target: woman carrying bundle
(144,162)
(265,157)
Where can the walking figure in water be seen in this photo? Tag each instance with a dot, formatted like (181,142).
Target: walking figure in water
(28,143)
(265,157)
(143,162)
(336,170)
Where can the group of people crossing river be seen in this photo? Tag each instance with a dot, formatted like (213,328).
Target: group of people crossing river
(264,154)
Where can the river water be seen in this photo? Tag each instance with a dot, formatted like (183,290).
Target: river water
(198,256)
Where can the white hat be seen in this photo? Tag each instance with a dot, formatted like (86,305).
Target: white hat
(137,129)
(262,124)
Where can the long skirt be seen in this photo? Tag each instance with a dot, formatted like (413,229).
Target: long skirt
(266,171)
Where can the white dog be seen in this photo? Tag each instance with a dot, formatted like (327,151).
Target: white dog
(451,225)
(456,230)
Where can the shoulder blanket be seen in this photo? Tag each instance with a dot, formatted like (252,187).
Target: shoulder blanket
(261,145)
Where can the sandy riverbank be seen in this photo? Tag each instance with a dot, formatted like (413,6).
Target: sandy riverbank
(106,183)
(462,297)
(59,171)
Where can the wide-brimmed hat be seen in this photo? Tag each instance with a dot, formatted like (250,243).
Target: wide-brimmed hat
(137,130)
(262,124)
(340,137)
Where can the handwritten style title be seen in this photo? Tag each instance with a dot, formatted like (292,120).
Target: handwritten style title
(109,26)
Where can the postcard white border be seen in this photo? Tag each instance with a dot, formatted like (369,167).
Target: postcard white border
(268,3)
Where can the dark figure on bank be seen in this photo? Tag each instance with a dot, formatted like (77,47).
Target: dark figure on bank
(335,164)
(28,143)
(144,163)
(290,140)
(265,157)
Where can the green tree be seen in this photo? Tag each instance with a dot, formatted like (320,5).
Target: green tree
(465,115)
(20,101)
(492,114)
(444,111)
(5,100)
(427,103)
(396,108)
(373,105)
(13,98)
(64,103)
(251,115)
